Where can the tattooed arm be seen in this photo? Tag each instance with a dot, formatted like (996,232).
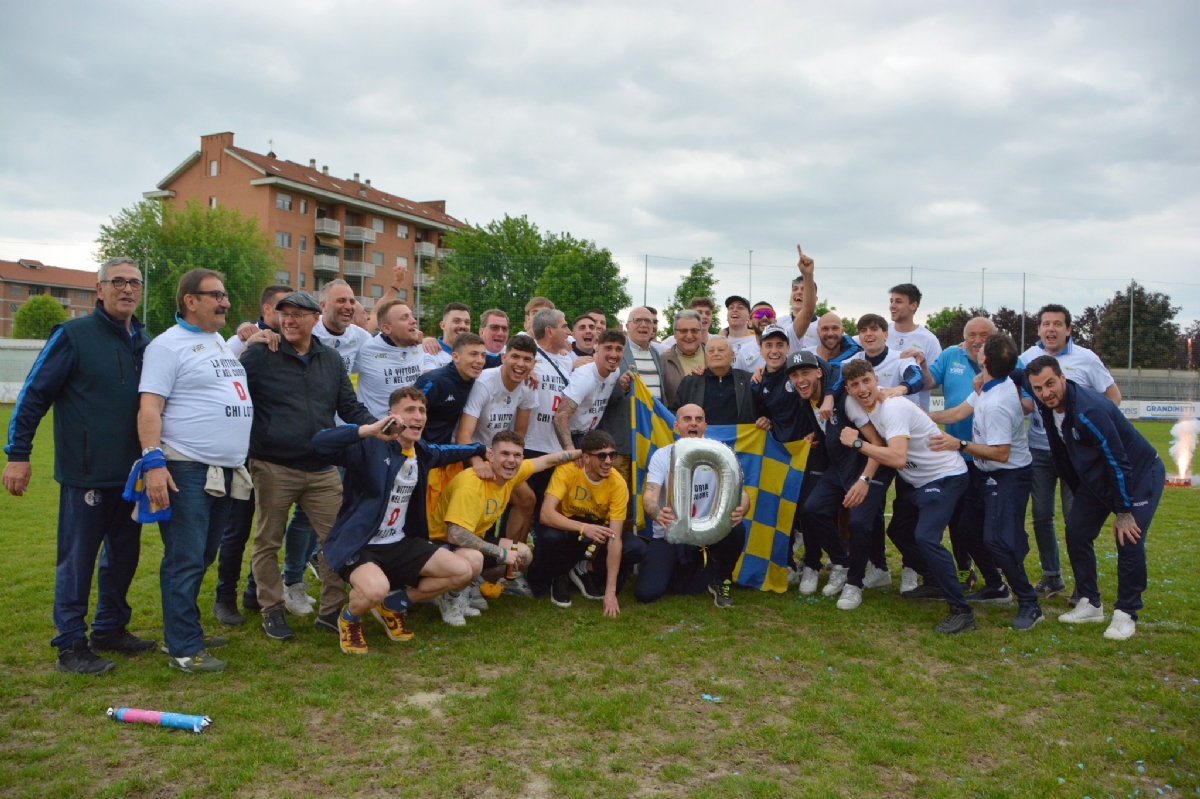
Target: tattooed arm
(459,536)
(562,420)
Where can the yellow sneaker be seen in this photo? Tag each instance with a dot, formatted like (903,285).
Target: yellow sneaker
(393,622)
(351,633)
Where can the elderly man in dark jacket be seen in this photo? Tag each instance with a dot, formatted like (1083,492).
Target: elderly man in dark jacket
(298,387)
(722,391)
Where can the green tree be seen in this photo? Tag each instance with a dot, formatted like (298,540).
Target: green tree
(169,241)
(37,317)
(848,324)
(1155,333)
(582,279)
(700,282)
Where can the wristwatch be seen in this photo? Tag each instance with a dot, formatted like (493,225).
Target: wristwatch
(862,478)
(962,445)
(858,442)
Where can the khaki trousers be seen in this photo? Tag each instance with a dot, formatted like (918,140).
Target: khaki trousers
(277,488)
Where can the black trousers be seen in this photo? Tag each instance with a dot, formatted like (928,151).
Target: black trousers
(966,532)
(556,551)
(682,569)
(823,504)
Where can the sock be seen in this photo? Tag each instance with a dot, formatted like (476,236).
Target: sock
(350,617)
(398,601)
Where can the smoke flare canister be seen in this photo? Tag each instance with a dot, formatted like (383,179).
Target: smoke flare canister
(179,721)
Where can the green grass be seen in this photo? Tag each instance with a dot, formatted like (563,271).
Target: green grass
(531,700)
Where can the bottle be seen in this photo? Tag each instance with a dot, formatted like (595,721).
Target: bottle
(513,564)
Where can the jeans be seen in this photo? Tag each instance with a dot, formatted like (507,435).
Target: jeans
(825,502)
(934,503)
(93,522)
(190,540)
(820,533)
(299,546)
(556,551)
(1088,515)
(967,530)
(1044,480)
(683,570)
(1005,494)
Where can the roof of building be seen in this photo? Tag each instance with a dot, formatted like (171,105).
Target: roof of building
(29,271)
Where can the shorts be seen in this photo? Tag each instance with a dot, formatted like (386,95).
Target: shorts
(400,562)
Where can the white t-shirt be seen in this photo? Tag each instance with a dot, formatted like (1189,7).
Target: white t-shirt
(348,345)
(383,367)
(745,352)
(892,419)
(494,405)
(391,529)
(920,340)
(235,345)
(890,371)
(208,412)
(590,392)
(999,420)
(539,436)
(1077,363)
(704,485)
(795,343)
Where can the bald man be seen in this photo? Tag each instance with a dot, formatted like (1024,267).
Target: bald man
(835,346)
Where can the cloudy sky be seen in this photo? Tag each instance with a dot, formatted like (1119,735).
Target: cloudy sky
(1053,139)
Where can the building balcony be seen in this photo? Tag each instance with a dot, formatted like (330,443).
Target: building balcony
(422,249)
(325,264)
(357,268)
(423,280)
(444,252)
(365,235)
(327,227)
(367,302)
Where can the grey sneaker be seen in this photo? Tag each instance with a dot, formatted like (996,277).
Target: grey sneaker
(1027,617)
(876,577)
(721,593)
(226,612)
(464,604)
(518,586)
(956,623)
(451,610)
(296,599)
(199,663)
(475,596)
(210,642)
(78,658)
(1049,586)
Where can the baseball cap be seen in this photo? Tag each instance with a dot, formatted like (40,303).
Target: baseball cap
(300,299)
(774,330)
(731,299)
(803,359)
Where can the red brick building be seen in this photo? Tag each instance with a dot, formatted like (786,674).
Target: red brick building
(20,280)
(327,227)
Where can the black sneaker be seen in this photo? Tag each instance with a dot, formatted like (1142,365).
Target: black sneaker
(329,622)
(967,580)
(560,591)
(1027,617)
(1049,586)
(1074,600)
(78,658)
(226,612)
(956,623)
(276,627)
(925,591)
(720,592)
(124,642)
(210,642)
(586,583)
(992,595)
(250,601)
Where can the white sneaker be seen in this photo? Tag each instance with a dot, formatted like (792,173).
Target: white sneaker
(1085,611)
(464,603)
(793,576)
(837,580)
(877,578)
(475,597)
(295,599)
(908,580)
(1123,626)
(451,610)
(851,597)
(808,582)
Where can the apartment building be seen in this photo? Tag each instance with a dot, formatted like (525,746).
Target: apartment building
(326,227)
(20,280)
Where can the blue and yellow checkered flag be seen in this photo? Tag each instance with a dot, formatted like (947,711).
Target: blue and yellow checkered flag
(772,473)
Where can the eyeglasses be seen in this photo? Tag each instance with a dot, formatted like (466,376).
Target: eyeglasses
(219,296)
(295,317)
(764,313)
(642,320)
(497,327)
(604,456)
(119,283)
(687,331)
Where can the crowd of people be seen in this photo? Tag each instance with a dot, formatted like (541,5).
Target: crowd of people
(397,469)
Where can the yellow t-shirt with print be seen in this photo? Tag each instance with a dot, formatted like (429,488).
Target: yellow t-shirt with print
(473,503)
(579,497)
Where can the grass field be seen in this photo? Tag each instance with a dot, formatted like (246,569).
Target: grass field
(535,701)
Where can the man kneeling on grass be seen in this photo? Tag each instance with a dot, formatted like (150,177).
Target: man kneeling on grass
(469,509)
(380,543)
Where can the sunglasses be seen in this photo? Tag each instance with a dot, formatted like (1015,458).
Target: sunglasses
(604,456)
(764,313)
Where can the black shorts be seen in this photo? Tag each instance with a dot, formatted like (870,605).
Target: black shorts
(401,562)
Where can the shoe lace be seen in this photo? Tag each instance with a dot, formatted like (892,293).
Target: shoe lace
(401,625)
(355,634)
(724,589)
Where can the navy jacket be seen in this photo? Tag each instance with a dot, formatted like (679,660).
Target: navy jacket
(89,371)
(371,466)
(1100,449)
(446,393)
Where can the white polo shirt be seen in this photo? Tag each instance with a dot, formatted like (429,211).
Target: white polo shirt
(893,418)
(348,345)
(1077,363)
(590,392)
(208,412)
(540,436)
(383,367)
(920,340)
(999,420)
(495,406)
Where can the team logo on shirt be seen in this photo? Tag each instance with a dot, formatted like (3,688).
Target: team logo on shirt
(508,399)
(382,356)
(403,356)
(833,420)
(788,387)
(92,498)
(197,348)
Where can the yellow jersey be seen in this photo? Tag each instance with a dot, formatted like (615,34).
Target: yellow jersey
(579,497)
(473,503)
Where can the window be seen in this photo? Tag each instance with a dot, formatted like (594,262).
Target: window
(83,296)
(212,168)
(303,206)
(301,279)
(304,244)
(401,260)
(283,239)
(402,295)
(402,231)
(377,224)
(283,201)
(15,307)
(59,292)
(212,202)
(376,291)
(283,277)
(16,289)
(36,290)
(377,258)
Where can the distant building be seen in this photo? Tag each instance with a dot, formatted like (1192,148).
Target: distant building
(326,226)
(20,280)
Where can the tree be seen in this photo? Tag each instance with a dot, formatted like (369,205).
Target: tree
(823,307)
(1188,354)
(1009,321)
(169,241)
(37,317)
(699,282)
(582,279)
(1155,334)
(1085,326)
(948,324)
